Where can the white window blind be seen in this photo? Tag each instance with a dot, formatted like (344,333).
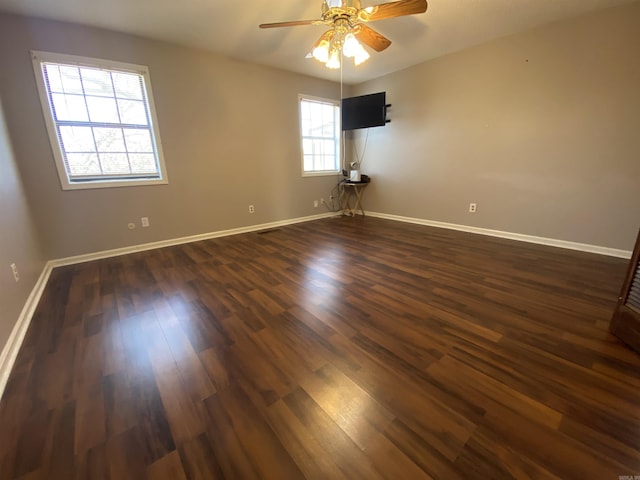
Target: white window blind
(101,121)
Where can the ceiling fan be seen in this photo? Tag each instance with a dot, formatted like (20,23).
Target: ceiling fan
(348,30)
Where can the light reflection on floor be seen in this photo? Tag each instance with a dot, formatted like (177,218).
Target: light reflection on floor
(325,280)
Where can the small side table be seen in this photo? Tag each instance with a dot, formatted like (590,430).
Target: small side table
(349,190)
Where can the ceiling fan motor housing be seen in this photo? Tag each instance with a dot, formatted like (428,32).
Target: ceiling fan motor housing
(340,9)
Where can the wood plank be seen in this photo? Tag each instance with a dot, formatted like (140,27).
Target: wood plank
(125,457)
(389,459)
(349,458)
(198,459)
(90,419)
(259,441)
(314,460)
(359,415)
(168,467)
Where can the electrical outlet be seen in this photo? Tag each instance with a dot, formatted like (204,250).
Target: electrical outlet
(144,221)
(252,209)
(472,208)
(315,204)
(14,270)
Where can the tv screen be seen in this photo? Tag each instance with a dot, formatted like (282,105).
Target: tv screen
(364,111)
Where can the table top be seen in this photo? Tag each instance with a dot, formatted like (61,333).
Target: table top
(355,184)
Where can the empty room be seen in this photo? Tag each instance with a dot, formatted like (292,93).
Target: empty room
(333,239)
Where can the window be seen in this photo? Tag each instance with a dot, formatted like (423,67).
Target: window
(320,132)
(101,121)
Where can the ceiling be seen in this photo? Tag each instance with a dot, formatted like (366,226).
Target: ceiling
(231,27)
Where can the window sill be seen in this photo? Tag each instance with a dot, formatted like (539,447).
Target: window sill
(321,174)
(113,184)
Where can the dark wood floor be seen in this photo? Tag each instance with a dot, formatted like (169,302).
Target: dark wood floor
(341,348)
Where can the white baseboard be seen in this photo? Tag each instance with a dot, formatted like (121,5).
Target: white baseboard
(179,241)
(583,247)
(12,347)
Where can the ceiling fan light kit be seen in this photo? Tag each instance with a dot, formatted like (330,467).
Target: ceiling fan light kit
(348,31)
(339,39)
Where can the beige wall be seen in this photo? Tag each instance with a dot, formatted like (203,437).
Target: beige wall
(18,239)
(540,129)
(229,132)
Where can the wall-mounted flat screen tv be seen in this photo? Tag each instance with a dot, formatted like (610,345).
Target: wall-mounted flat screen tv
(364,111)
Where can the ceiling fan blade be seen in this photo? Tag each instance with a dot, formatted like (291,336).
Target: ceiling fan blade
(392,9)
(294,23)
(371,38)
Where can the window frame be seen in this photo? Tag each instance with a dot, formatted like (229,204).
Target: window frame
(67,183)
(337,136)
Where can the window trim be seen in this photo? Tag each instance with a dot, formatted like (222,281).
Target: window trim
(39,57)
(320,173)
